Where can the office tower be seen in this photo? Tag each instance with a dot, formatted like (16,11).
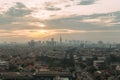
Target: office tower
(60,39)
(31,43)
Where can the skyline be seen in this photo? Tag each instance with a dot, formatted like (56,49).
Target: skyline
(91,20)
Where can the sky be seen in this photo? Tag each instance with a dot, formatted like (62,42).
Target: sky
(92,20)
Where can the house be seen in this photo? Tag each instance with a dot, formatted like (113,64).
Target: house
(99,64)
(4,65)
(53,75)
(42,75)
(16,76)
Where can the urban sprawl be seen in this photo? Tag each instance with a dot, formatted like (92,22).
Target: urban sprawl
(60,60)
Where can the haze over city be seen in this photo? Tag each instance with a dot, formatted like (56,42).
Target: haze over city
(94,20)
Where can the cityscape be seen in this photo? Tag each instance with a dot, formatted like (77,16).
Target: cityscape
(59,40)
(60,60)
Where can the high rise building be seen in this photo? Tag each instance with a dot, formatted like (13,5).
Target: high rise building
(53,42)
(60,39)
(31,43)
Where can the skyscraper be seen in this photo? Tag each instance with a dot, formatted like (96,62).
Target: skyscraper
(60,39)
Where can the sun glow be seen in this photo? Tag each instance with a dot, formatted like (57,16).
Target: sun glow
(42,25)
(41,33)
(37,24)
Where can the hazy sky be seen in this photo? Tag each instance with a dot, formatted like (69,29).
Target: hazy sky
(22,20)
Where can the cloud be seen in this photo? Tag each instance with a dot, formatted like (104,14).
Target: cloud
(72,22)
(87,2)
(67,5)
(4,19)
(16,18)
(19,10)
(20,5)
(117,18)
(102,20)
(107,21)
(16,23)
(51,8)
